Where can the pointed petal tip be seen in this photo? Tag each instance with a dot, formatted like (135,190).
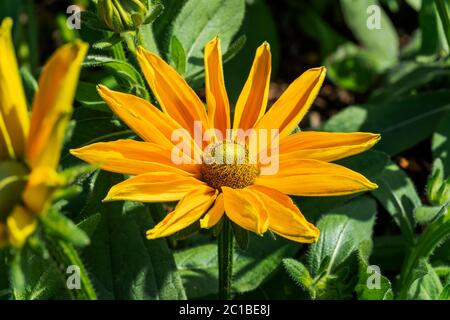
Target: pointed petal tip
(6,24)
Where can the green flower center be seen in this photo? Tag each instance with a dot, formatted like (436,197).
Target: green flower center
(13,177)
(227,164)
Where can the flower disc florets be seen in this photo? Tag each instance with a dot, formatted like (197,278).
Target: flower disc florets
(227,164)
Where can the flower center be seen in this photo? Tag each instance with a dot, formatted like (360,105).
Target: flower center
(12,183)
(227,164)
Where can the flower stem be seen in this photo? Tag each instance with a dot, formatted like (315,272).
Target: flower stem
(434,234)
(225,253)
(66,255)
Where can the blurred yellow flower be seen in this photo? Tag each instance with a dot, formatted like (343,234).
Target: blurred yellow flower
(208,190)
(30,149)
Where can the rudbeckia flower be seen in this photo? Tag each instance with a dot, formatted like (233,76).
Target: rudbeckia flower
(210,190)
(30,148)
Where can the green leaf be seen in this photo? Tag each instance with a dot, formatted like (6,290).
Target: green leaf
(157,36)
(156,9)
(59,226)
(415,4)
(201,20)
(402,123)
(315,26)
(426,215)
(352,67)
(234,48)
(177,55)
(372,285)
(125,73)
(407,78)
(35,278)
(432,33)
(198,265)
(108,43)
(342,231)
(300,274)
(122,262)
(426,285)
(382,40)
(258,26)
(441,143)
(445,293)
(397,193)
(30,84)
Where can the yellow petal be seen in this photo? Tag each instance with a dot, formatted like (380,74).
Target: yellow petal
(293,104)
(132,158)
(141,116)
(14,119)
(40,186)
(188,210)
(214,214)
(216,95)
(21,224)
(326,146)
(52,105)
(246,209)
(252,101)
(154,187)
(172,92)
(307,177)
(285,219)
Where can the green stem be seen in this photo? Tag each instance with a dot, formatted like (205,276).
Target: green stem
(118,52)
(424,247)
(225,253)
(66,255)
(444,15)
(129,40)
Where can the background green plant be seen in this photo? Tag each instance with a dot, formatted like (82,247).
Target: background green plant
(398,78)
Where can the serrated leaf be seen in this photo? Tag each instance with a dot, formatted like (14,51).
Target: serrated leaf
(300,274)
(201,20)
(426,285)
(372,285)
(426,215)
(342,231)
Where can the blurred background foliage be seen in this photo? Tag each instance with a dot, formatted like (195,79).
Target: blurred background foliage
(394,81)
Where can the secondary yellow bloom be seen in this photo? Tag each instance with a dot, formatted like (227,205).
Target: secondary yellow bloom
(30,149)
(208,191)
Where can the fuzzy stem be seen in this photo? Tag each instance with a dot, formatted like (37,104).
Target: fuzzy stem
(225,253)
(434,234)
(66,255)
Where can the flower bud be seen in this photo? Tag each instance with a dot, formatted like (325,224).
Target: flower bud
(123,15)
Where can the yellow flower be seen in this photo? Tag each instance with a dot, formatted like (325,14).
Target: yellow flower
(30,149)
(209,190)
